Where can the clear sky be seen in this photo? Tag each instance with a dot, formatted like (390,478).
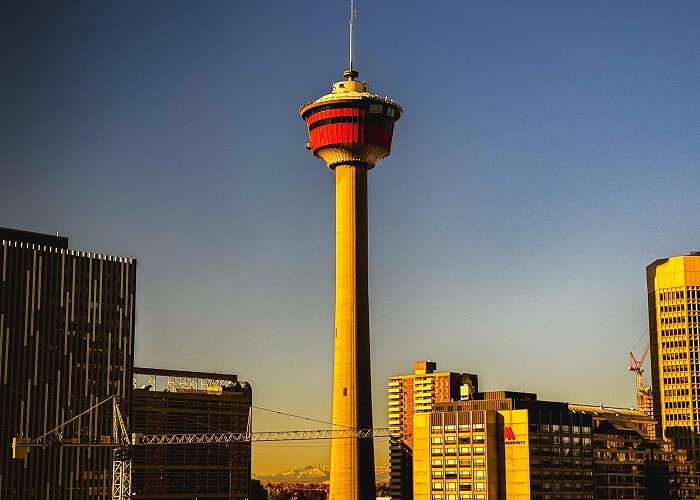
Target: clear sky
(548,152)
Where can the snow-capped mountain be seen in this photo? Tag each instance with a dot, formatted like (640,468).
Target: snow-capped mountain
(314,474)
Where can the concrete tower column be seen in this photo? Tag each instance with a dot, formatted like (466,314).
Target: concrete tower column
(352,460)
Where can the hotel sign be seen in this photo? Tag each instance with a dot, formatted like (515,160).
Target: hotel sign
(509,436)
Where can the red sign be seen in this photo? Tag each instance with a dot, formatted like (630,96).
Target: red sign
(508,434)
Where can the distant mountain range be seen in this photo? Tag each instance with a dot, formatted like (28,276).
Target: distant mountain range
(314,474)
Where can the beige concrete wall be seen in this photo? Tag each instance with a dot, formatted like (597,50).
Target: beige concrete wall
(352,460)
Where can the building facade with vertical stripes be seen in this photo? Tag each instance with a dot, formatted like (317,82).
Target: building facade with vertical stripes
(66,343)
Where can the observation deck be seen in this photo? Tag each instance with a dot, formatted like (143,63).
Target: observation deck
(350,126)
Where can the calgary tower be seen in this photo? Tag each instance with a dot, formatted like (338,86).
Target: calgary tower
(351,129)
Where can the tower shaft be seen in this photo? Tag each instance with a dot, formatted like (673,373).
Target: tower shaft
(352,460)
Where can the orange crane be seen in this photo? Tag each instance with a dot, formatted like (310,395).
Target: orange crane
(636,367)
(644,394)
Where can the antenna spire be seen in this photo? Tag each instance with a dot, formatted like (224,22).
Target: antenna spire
(350,73)
(352,18)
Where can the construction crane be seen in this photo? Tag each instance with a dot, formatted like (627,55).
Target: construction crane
(645,402)
(636,367)
(122,442)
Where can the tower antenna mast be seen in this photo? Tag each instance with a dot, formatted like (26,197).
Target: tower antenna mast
(352,17)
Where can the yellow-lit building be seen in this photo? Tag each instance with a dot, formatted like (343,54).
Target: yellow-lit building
(673,286)
(502,445)
(416,394)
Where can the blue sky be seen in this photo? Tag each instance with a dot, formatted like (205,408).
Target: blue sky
(548,152)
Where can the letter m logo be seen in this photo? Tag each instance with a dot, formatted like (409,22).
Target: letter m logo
(508,434)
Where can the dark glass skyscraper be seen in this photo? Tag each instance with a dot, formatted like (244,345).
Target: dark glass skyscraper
(66,343)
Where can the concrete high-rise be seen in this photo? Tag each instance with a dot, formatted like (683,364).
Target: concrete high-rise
(66,343)
(673,287)
(351,129)
(414,394)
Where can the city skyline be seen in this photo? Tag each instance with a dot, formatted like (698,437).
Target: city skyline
(547,156)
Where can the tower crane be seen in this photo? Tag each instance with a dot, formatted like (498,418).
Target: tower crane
(644,395)
(122,443)
(636,366)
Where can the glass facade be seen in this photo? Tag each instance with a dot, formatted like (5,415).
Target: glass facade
(66,343)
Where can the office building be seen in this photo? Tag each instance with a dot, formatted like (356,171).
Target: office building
(629,463)
(670,473)
(621,451)
(673,287)
(66,343)
(183,402)
(351,129)
(418,393)
(502,445)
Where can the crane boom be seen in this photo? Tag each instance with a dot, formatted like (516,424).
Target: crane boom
(231,437)
(636,365)
(215,438)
